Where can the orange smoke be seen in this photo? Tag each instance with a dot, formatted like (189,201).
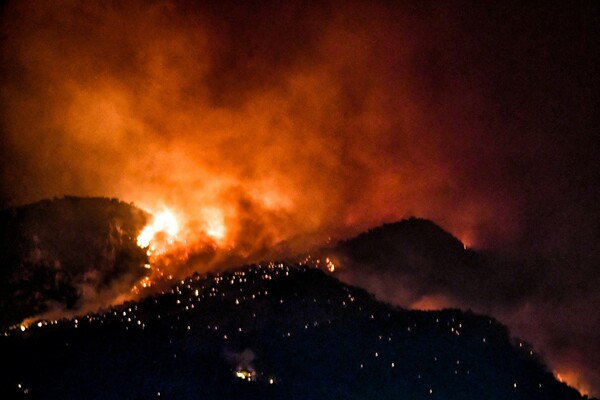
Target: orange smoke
(139,103)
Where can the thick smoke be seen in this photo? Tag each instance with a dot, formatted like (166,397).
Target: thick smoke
(327,115)
(295,119)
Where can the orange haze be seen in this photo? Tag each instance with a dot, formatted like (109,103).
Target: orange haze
(299,126)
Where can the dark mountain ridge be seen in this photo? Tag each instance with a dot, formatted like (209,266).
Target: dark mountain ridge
(272,331)
(419,254)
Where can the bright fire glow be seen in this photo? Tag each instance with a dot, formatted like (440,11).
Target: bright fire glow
(330,265)
(572,379)
(215,224)
(164,223)
(245,374)
(169,238)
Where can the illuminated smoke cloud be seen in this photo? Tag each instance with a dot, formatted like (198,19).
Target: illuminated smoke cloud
(318,118)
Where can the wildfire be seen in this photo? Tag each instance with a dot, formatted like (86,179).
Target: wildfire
(215,224)
(163,229)
(330,265)
(572,379)
(245,374)
(169,237)
(158,237)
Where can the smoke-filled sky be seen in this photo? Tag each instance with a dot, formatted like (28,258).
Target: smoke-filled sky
(292,118)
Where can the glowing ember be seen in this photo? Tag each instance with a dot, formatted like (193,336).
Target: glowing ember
(146,282)
(245,375)
(330,265)
(164,225)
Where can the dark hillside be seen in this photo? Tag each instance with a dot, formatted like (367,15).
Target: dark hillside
(272,332)
(52,250)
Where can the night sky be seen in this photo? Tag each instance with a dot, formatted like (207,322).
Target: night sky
(292,120)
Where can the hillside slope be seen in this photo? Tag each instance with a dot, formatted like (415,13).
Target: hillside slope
(272,332)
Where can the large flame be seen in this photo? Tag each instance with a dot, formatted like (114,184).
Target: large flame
(160,237)
(160,233)
(172,237)
(168,230)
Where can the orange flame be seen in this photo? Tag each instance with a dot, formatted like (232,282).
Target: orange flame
(163,229)
(572,379)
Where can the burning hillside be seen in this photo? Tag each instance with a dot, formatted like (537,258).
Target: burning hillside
(75,255)
(72,255)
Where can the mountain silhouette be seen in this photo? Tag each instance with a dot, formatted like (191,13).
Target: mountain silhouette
(272,331)
(263,331)
(416,253)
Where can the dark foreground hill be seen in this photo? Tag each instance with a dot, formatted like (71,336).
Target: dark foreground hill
(53,250)
(271,332)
